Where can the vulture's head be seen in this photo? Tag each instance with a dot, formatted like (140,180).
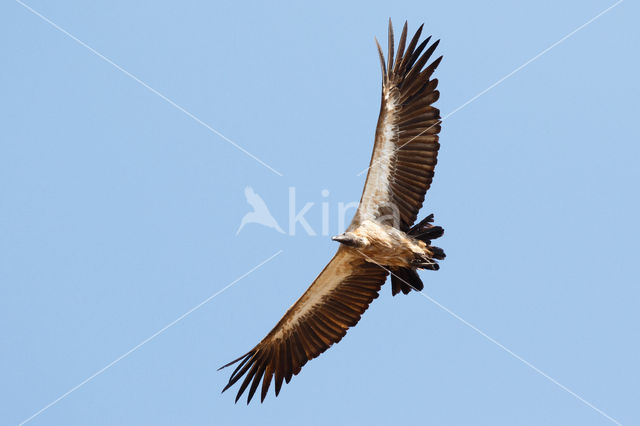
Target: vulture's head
(350,239)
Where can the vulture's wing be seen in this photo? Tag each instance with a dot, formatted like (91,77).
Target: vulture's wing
(406,144)
(333,303)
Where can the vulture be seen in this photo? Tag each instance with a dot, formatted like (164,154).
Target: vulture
(381,240)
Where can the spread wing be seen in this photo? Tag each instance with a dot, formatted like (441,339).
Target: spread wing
(406,143)
(333,303)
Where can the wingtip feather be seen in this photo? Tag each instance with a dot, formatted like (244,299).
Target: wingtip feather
(383,66)
(390,51)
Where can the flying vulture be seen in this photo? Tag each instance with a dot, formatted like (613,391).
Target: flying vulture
(382,238)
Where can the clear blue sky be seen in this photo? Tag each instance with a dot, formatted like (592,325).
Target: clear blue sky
(118,212)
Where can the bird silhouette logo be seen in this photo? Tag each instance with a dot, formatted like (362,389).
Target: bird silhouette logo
(260,214)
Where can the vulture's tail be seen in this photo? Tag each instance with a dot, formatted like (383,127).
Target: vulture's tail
(406,279)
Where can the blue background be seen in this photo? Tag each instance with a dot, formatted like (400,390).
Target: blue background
(118,212)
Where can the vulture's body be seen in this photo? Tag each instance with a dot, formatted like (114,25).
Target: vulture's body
(382,238)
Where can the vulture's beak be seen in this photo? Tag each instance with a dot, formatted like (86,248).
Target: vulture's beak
(340,238)
(347,239)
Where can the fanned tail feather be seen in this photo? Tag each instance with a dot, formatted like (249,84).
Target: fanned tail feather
(406,279)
